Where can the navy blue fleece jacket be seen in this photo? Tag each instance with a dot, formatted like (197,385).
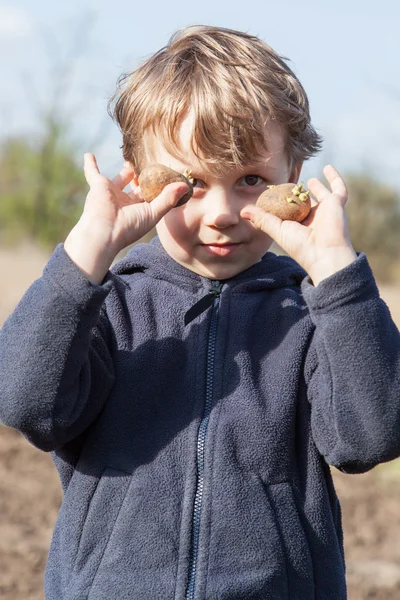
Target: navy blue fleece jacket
(194,457)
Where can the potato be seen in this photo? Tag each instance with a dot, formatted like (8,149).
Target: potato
(154,178)
(288,201)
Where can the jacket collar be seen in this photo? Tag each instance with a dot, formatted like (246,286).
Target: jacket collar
(271,271)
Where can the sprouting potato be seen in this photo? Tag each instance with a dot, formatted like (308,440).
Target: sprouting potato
(288,201)
(154,178)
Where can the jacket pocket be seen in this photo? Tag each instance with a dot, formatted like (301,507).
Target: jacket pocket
(247,557)
(299,567)
(85,522)
(258,548)
(101,516)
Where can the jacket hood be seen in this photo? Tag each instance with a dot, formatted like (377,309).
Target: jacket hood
(271,271)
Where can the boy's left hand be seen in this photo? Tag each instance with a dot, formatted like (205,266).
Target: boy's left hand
(321,243)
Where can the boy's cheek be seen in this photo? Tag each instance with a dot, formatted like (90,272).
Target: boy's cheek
(180,221)
(175,227)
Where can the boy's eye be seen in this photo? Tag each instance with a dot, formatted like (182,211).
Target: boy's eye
(246,181)
(196,182)
(252,180)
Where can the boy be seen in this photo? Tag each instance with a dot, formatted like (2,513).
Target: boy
(194,396)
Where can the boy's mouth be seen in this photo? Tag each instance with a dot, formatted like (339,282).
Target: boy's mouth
(222,249)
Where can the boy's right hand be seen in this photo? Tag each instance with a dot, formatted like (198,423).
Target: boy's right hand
(123,218)
(113,219)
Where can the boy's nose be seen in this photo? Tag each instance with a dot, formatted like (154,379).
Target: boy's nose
(220,211)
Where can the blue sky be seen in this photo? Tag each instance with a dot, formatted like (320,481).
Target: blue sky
(346,53)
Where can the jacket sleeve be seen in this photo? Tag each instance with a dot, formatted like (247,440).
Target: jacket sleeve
(353,370)
(56,369)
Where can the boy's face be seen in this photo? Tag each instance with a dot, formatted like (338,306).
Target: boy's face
(207,234)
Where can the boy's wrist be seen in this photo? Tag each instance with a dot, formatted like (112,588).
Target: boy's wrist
(332,263)
(92,254)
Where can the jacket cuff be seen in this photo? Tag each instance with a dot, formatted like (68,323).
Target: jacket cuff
(67,275)
(352,283)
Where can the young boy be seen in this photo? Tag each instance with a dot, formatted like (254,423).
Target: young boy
(194,396)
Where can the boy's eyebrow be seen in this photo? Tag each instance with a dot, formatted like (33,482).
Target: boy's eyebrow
(262,166)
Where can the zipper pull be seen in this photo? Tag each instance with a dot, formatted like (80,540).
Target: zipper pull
(216,287)
(204,302)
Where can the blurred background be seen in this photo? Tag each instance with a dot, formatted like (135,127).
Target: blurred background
(59,64)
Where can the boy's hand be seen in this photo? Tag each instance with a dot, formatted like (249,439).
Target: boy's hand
(123,218)
(321,243)
(113,219)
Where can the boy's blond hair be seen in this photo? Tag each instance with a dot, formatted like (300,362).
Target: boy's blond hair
(234,84)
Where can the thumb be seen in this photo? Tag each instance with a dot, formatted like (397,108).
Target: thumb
(168,198)
(263,220)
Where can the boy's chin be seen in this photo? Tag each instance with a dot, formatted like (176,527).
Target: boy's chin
(220,272)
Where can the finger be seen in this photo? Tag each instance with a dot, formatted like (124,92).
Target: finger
(124,177)
(90,168)
(318,189)
(336,181)
(135,196)
(263,220)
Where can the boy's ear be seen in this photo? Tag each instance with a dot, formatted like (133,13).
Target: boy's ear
(295,173)
(134,179)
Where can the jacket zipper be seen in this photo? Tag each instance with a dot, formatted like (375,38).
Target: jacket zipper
(216,288)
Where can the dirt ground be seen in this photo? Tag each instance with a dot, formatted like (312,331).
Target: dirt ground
(30,492)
